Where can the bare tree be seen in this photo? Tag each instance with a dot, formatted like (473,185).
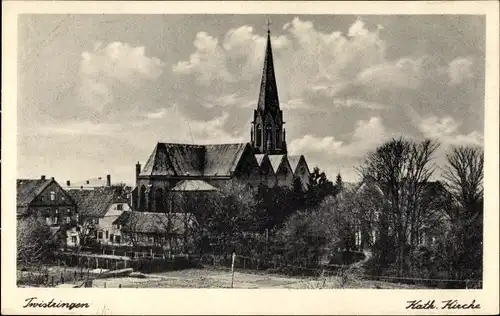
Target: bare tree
(401,169)
(464,180)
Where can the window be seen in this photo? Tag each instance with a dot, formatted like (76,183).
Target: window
(111,237)
(48,221)
(73,239)
(62,198)
(41,198)
(99,235)
(118,226)
(119,207)
(118,239)
(107,234)
(96,220)
(78,228)
(52,196)
(55,220)
(68,219)
(259,135)
(57,211)
(68,210)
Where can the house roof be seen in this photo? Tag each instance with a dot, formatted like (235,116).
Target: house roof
(92,182)
(276,161)
(170,159)
(95,202)
(193,185)
(29,189)
(147,222)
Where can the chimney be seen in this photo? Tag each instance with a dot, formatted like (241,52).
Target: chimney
(108,180)
(42,177)
(68,183)
(51,178)
(137,172)
(87,182)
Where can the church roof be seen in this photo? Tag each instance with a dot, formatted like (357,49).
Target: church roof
(222,159)
(193,185)
(268,95)
(276,161)
(260,158)
(294,161)
(170,159)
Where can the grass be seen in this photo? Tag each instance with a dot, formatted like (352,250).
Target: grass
(206,278)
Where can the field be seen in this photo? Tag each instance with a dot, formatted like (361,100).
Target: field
(204,278)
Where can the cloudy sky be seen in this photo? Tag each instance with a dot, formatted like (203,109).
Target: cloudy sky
(97,92)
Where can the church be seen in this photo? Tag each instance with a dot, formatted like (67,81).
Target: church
(264,160)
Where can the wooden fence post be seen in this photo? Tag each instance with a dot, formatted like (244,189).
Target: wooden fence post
(232,269)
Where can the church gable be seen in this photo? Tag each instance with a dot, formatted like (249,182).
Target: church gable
(265,164)
(247,166)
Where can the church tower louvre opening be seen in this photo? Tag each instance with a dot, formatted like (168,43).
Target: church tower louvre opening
(267,131)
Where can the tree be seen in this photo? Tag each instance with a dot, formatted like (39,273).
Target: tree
(35,241)
(464,182)
(232,217)
(401,169)
(319,188)
(339,184)
(301,240)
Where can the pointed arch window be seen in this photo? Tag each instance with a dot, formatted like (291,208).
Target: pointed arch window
(269,138)
(159,201)
(142,198)
(259,135)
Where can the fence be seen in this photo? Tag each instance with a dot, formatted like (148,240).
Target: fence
(345,273)
(48,278)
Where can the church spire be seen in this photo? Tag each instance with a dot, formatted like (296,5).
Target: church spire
(268,133)
(268,95)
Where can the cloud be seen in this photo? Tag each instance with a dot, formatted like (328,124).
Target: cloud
(106,72)
(460,69)
(77,128)
(207,62)
(445,130)
(366,136)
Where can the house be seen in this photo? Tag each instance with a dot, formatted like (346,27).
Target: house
(98,209)
(262,160)
(45,198)
(431,205)
(167,230)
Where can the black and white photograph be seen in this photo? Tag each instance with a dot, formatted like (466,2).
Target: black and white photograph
(283,151)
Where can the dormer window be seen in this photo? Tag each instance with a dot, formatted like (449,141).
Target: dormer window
(119,207)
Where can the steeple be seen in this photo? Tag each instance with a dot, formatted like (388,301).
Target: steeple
(267,134)
(268,95)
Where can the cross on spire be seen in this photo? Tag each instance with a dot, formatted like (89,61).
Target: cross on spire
(268,25)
